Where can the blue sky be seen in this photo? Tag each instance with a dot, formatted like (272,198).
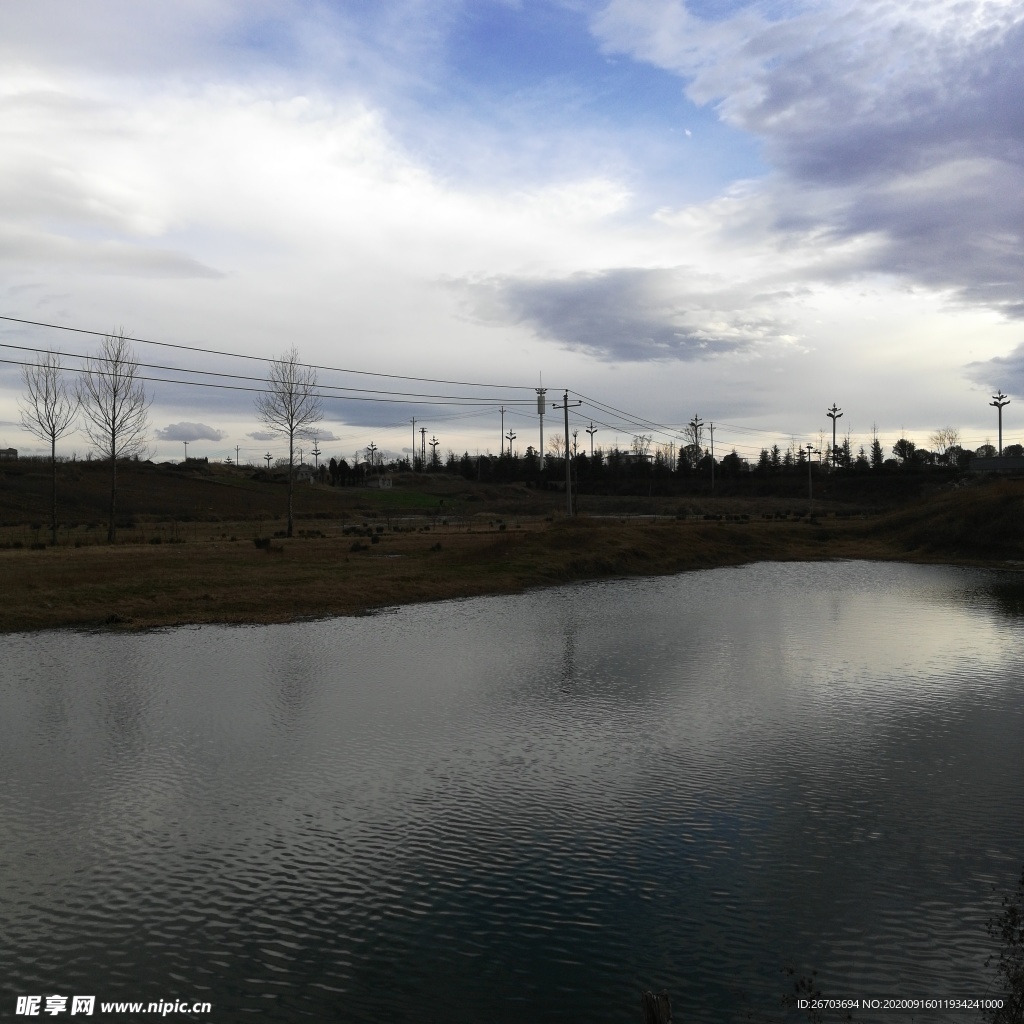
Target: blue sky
(746,211)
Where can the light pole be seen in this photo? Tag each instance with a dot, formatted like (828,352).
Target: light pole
(811,450)
(511,437)
(371,448)
(591,430)
(268,457)
(834,414)
(316,453)
(998,402)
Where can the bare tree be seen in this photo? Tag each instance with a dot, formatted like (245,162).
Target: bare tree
(942,440)
(48,411)
(641,446)
(556,446)
(114,401)
(290,407)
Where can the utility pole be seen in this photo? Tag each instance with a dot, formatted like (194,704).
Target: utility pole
(186,451)
(423,448)
(834,414)
(999,401)
(371,448)
(433,455)
(511,437)
(566,405)
(712,427)
(237,447)
(316,453)
(300,456)
(501,443)
(267,457)
(591,430)
(695,426)
(541,392)
(412,451)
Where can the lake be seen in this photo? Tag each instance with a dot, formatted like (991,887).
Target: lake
(524,808)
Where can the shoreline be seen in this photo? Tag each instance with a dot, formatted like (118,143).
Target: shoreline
(135,587)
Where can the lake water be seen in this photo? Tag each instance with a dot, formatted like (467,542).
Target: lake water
(523,808)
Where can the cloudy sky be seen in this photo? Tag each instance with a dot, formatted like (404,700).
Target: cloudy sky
(747,211)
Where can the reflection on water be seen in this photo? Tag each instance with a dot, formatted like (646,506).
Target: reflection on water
(524,808)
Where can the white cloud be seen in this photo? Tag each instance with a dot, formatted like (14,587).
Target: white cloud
(899,124)
(185,431)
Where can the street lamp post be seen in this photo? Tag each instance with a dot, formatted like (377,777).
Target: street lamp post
(834,414)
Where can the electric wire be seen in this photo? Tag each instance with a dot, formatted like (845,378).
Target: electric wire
(267,359)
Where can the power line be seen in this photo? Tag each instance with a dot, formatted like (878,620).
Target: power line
(238,387)
(321,387)
(267,359)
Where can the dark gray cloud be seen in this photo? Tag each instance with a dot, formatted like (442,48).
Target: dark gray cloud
(898,125)
(636,314)
(263,435)
(185,431)
(1002,372)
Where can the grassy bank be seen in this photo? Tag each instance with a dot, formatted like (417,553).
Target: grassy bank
(168,573)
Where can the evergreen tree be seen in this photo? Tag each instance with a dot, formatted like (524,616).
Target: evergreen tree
(877,460)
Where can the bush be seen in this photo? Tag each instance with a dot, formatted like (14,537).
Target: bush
(261,542)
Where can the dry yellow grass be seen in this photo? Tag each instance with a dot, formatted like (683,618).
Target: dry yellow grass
(212,577)
(215,580)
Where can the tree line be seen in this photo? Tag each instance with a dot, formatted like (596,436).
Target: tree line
(110,399)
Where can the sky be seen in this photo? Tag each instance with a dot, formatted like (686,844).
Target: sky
(747,212)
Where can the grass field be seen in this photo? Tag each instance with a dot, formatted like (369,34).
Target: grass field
(220,554)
